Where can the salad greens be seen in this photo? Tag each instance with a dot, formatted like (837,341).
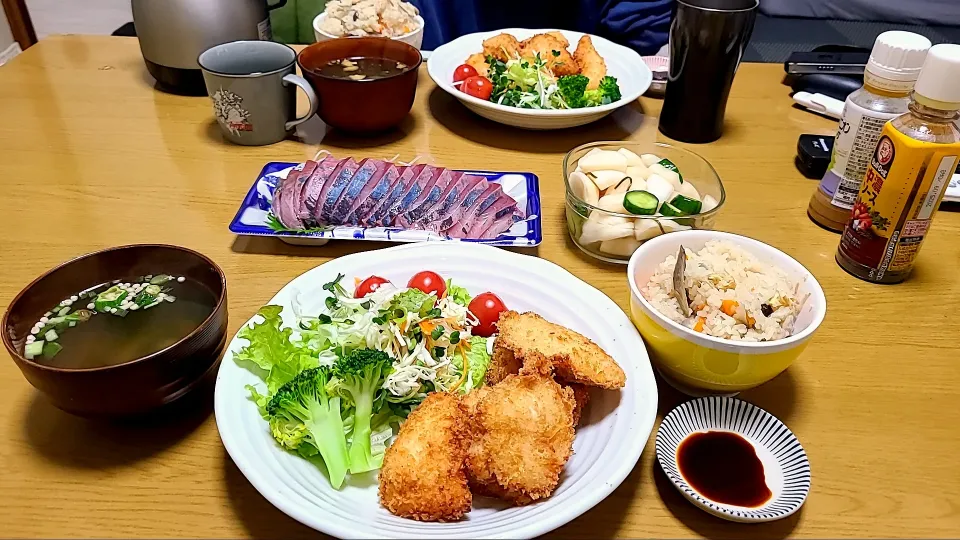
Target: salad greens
(271,351)
(458,294)
(531,85)
(274,223)
(341,381)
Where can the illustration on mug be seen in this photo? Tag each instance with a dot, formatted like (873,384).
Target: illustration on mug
(228,106)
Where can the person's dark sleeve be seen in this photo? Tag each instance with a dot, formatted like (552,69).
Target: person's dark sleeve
(642,25)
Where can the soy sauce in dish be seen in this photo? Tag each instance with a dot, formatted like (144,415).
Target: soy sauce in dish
(723,466)
(362,68)
(104,339)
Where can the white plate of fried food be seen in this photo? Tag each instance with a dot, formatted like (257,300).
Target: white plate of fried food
(507,460)
(563,53)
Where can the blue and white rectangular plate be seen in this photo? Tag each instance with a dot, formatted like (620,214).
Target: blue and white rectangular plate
(251,218)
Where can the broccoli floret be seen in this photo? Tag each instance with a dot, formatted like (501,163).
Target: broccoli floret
(360,375)
(610,88)
(302,413)
(571,89)
(292,436)
(607,92)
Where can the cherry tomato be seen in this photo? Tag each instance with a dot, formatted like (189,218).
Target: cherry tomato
(428,282)
(369,285)
(487,307)
(464,72)
(478,87)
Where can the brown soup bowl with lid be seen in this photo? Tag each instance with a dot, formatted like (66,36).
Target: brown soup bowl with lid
(145,382)
(362,105)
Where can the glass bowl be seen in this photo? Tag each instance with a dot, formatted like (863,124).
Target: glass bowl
(694,169)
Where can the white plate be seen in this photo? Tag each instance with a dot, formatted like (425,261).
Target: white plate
(785,465)
(607,446)
(625,64)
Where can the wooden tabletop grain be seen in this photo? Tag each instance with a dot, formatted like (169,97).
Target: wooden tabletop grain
(91,155)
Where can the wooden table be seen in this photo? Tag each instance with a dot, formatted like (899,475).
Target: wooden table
(93,156)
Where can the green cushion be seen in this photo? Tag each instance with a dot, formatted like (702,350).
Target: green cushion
(293,23)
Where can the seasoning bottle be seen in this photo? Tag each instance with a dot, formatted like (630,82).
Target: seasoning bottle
(892,70)
(907,176)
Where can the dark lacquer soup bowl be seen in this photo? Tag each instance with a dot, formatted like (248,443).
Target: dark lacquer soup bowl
(367,105)
(133,385)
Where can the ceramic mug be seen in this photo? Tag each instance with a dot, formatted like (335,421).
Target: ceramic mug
(253,88)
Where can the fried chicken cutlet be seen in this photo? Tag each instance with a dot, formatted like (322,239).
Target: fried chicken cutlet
(553,52)
(424,473)
(540,366)
(581,395)
(589,62)
(524,437)
(479,62)
(558,35)
(472,399)
(503,47)
(574,357)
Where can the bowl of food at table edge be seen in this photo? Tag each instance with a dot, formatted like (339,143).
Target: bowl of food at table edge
(364,84)
(121,331)
(539,79)
(394,19)
(730,314)
(621,194)
(465,372)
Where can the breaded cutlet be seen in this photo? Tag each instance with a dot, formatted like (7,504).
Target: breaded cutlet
(503,363)
(589,62)
(472,399)
(503,47)
(552,52)
(538,365)
(479,62)
(424,471)
(581,394)
(574,357)
(524,437)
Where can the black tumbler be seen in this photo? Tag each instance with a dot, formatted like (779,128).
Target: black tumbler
(707,40)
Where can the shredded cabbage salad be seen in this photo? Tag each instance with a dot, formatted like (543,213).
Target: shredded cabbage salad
(529,84)
(427,339)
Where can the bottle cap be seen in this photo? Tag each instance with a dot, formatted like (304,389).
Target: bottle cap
(940,77)
(898,56)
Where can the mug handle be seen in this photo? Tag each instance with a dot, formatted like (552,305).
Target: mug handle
(312,98)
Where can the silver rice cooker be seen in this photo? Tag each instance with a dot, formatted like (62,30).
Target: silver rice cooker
(173,33)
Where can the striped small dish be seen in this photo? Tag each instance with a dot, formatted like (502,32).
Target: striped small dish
(785,463)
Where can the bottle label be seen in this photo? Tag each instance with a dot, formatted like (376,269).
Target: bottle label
(889,85)
(901,191)
(264,31)
(857,137)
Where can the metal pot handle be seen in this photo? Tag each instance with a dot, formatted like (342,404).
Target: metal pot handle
(279,4)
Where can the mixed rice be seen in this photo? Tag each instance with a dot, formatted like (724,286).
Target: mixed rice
(731,294)
(390,18)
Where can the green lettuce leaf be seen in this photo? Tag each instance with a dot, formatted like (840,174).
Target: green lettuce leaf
(459,294)
(270,354)
(413,300)
(478,361)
